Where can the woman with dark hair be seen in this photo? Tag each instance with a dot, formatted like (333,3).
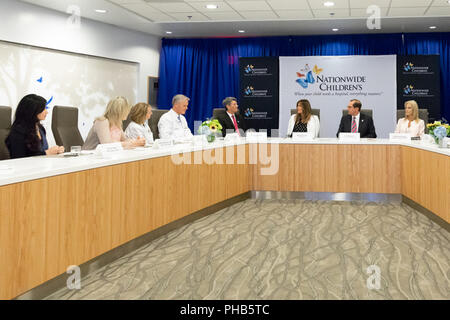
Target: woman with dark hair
(27,137)
(304,120)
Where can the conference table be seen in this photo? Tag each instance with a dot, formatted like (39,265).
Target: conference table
(59,211)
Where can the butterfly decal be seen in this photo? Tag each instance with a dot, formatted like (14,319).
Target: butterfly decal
(317,70)
(304,81)
(300,75)
(39,80)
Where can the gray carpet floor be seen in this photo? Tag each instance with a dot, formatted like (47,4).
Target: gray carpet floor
(285,249)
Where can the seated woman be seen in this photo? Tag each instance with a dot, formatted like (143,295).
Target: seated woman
(303,121)
(27,137)
(411,123)
(138,126)
(108,128)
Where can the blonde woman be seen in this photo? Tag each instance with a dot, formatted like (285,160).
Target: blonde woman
(108,128)
(138,126)
(411,123)
(304,120)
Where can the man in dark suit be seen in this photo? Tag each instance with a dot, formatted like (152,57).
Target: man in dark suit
(230,120)
(356,121)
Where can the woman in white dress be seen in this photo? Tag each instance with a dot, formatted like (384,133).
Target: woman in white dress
(411,123)
(304,120)
(138,126)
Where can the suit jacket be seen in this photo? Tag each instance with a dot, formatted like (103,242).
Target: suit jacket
(365,128)
(227,123)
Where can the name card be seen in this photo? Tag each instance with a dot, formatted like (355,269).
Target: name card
(256,137)
(199,140)
(400,137)
(108,148)
(230,137)
(302,136)
(162,143)
(349,136)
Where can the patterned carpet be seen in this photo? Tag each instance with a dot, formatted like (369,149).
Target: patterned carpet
(285,249)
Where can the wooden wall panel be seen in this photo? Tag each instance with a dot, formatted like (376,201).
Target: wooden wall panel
(426,180)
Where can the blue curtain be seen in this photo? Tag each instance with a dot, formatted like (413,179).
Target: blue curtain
(207,70)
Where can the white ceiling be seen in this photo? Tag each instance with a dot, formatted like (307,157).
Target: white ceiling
(191,18)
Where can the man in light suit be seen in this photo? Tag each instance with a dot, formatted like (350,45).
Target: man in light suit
(231,121)
(355,121)
(173,124)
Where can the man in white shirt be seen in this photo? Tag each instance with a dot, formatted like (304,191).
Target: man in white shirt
(173,124)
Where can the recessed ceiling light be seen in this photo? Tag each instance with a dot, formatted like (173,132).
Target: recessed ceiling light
(448,1)
(101,10)
(169,32)
(432,27)
(241,31)
(335,29)
(328,3)
(212,6)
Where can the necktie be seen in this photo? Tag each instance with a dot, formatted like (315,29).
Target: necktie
(235,125)
(354,125)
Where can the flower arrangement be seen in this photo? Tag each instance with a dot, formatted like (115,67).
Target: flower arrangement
(210,128)
(438,130)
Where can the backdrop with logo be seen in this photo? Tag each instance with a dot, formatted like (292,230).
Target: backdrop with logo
(258,92)
(418,78)
(330,82)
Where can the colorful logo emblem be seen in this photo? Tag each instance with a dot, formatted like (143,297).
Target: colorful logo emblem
(248,112)
(248,91)
(305,76)
(408,89)
(249,69)
(407,66)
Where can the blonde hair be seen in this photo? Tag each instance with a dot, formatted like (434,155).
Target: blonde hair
(115,111)
(139,112)
(415,109)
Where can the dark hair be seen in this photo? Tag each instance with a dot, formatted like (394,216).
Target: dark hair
(306,111)
(227,101)
(26,118)
(356,104)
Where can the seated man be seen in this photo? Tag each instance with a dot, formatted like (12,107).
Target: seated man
(231,121)
(173,124)
(356,121)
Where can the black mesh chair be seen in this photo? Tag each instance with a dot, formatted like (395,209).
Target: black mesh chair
(65,127)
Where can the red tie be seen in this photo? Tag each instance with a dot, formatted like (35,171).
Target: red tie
(235,125)
(354,125)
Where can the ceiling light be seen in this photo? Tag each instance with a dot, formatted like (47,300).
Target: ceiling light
(169,32)
(328,4)
(335,29)
(432,27)
(212,6)
(241,31)
(101,10)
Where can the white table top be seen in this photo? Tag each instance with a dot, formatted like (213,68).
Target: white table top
(25,169)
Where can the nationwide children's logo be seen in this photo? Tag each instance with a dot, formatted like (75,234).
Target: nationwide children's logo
(305,76)
(249,69)
(248,91)
(408,89)
(248,112)
(408,66)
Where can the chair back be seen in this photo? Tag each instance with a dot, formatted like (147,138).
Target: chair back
(65,127)
(367,112)
(5,127)
(423,114)
(153,121)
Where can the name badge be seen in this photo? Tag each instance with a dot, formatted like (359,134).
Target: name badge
(349,136)
(302,136)
(108,148)
(162,143)
(400,137)
(256,137)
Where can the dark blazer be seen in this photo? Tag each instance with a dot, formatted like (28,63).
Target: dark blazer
(227,123)
(365,128)
(17,145)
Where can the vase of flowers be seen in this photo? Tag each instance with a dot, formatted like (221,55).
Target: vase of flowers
(210,128)
(438,131)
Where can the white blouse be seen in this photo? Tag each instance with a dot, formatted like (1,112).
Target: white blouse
(313,125)
(135,130)
(416,129)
